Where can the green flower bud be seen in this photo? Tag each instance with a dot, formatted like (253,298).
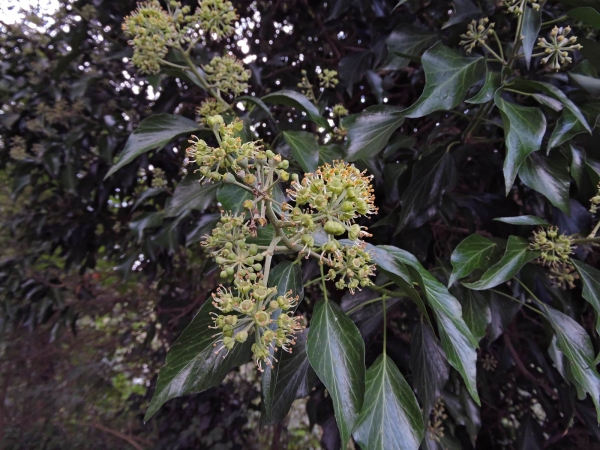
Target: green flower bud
(242,336)
(334,228)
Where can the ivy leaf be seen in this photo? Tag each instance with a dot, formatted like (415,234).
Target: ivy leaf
(371,131)
(569,126)
(305,149)
(590,280)
(352,68)
(404,42)
(232,197)
(523,220)
(524,129)
(517,254)
(192,365)
(431,177)
(532,23)
(147,194)
(493,81)
(390,418)
(549,175)
(463,10)
(587,15)
(577,164)
(191,194)
(457,340)
(256,101)
(429,366)
(573,341)
(475,310)
(474,252)
(299,101)
(152,133)
(336,352)
(448,78)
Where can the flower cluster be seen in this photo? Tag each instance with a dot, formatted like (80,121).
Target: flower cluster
(210,107)
(515,6)
(228,247)
(339,111)
(256,308)
(158,178)
(216,18)
(558,48)
(228,74)
(328,78)
(477,34)
(563,275)
(595,202)
(555,248)
(351,266)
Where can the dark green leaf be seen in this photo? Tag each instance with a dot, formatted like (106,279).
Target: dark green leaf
(474,252)
(148,193)
(463,10)
(336,352)
(429,366)
(524,129)
(432,176)
(493,80)
(569,126)
(297,100)
(145,220)
(549,175)
(577,165)
(192,363)
(153,133)
(374,80)
(576,345)
(517,254)
(587,15)
(352,68)
(305,149)
(191,194)
(587,82)
(232,197)
(475,310)
(256,101)
(532,23)
(329,153)
(590,280)
(448,78)
(523,220)
(390,418)
(406,40)
(371,131)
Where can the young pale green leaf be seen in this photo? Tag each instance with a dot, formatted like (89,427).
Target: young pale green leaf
(390,418)
(431,177)
(406,40)
(305,149)
(532,23)
(493,81)
(522,220)
(587,15)
(448,77)
(371,131)
(573,341)
(549,175)
(457,340)
(153,133)
(297,100)
(191,194)
(336,352)
(429,366)
(517,254)
(524,129)
(590,280)
(193,364)
(232,197)
(474,252)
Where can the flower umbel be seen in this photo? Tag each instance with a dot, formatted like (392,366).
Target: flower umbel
(477,34)
(554,248)
(558,48)
(228,74)
(595,202)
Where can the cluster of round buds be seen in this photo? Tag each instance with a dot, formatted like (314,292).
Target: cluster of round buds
(306,86)
(228,247)
(228,74)
(555,248)
(216,18)
(514,6)
(158,178)
(558,48)
(258,310)
(339,111)
(328,78)
(595,202)
(18,147)
(477,33)
(152,30)
(351,266)
(208,108)
(563,275)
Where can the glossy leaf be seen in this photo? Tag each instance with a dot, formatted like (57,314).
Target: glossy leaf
(587,15)
(390,418)
(569,126)
(573,341)
(523,220)
(532,23)
(256,101)
(524,129)
(517,254)
(191,194)
(405,42)
(549,175)
(153,133)
(475,310)
(448,77)
(232,197)
(371,131)
(192,363)
(463,10)
(305,149)
(590,280)
(429,366)
(474,252)
(336,352)
(299,101)
(577,165)
(492,82)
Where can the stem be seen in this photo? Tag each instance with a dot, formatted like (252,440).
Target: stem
(384,326)
(495,55)
(269,255)
(357,307)
(500,49)
(533,296)
(551,22)
(516,300)
(517,41)
(594,231)
(177,66)
(517,92)
(323,280)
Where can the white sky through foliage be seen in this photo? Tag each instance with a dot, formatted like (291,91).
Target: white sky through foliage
(10,10)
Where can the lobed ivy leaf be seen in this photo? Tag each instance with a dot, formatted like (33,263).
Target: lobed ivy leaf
(371,131)
(569,126)
(297,100)
(448,77)
(474,252)
(305,149)
(523,220)
(405,42)
(493,80)
(590,280)
(152,133)
(524,129)
(532,23)
(475,308)
(517,254)
(190,194)
(587,15)
(390,418)
(336,352)
(463,10)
